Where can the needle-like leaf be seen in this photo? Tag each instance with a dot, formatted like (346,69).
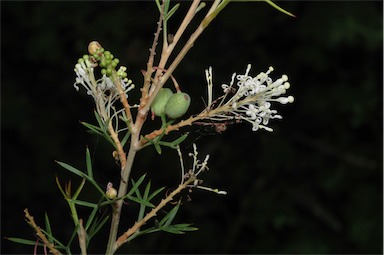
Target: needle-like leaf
(89,163)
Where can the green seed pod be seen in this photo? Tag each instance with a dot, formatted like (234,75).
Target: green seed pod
(177,105)
(160,100)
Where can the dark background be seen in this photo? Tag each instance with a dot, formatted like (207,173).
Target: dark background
(314,185)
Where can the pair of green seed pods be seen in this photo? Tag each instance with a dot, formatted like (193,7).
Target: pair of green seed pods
(174,105)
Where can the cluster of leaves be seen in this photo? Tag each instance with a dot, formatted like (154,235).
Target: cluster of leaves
(95,223)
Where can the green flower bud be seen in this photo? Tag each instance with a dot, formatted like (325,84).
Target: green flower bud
(160,100)
(177,105)
(111,192)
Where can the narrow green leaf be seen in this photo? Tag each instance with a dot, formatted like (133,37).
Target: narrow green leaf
(138,194)
(93,226)
(166,6)
(279,8)
(79,189)
(83,203)
(104,129)
(92,215)
(140,215)
(185,227)
(143,232)
(141,201)
(142,206)
(99,121)
(108,138)
(135,185)
(92,128)
(158,148)
(108,202)
(97,186)
(146,191)
(58,245)
(22,241)
(74,233)
(98,227)
(48,228)
(171,12)
(167,220)
(90,218)
(155,193)
(125,138)
(60,188)
(72,169)
(158,5)
(179,140)
(178,228)
(89,163)
(171,230)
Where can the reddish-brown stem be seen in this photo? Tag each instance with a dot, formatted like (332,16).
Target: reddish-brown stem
(123,238)
(39,233)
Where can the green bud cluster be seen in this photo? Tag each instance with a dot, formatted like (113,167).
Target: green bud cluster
(85,60)
(105,59)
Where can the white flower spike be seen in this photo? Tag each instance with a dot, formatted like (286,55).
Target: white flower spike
(250,99)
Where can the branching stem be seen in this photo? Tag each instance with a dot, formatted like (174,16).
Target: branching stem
(148,95)
(123,238)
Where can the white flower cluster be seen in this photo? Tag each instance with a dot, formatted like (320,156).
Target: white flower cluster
(103,90)
(251,98)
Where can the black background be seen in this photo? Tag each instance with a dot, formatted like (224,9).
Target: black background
(314,185)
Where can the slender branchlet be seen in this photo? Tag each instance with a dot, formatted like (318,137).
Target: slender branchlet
(30,220)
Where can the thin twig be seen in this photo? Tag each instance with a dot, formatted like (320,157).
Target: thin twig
(123,238)
(123,97)
(203,115)
(181,164)
(148,74)
(120,150)
(125,172)
(40,234)
(188,45)
(187,19)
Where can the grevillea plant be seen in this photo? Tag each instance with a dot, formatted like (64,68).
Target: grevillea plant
(245,98)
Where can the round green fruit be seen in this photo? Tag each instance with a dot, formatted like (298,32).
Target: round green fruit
(160,100)
(177,105)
